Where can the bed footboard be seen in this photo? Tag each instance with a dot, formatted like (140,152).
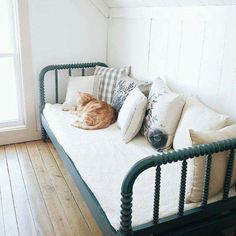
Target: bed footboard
(207,218)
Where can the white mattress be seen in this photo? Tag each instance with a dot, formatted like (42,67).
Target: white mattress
(103,160)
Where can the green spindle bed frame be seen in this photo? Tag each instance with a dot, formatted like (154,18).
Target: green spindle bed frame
(208,219)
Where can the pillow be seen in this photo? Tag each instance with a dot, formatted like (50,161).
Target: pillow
(199,117)
(84,84)
(131,114)
(218,165)
(162,115)
(107,81)
(124,85)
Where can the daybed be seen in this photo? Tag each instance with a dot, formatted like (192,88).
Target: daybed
(153,189)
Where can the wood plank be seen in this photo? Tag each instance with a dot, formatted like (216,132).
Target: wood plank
(23,212)
(38,208)
(56,213)
(9,214)
(75,218)
(78,198)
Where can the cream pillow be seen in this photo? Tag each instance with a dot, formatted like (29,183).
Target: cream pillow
(84,84)
(199,117)
(131,114)
(163,114)
(218,167)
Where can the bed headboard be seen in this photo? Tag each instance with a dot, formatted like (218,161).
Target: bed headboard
(83,67)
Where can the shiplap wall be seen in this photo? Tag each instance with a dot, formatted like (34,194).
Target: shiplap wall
(193,47)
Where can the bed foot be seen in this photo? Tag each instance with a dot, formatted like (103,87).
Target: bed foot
(43,134)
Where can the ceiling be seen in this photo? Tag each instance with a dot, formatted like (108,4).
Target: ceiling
(104,6)
(155,3)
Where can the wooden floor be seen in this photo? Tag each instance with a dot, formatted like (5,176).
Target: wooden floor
(37,195)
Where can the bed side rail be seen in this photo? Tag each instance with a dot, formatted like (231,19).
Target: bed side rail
(162,159)
(56,68)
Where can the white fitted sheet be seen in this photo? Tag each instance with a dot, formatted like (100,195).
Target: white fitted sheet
(103,160)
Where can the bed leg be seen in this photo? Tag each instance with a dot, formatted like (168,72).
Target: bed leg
(126,214)
(44,134)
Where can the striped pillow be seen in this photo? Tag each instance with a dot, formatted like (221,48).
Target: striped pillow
(108,80)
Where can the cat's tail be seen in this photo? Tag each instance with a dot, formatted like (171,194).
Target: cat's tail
(80,125)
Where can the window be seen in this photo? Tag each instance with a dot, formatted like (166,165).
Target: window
(11,112)
(17,95)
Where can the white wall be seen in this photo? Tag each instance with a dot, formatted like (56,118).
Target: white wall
(194,47)
(65,31)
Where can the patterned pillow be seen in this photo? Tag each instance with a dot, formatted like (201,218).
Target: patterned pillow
(107,81)
(162,115)
(124,86)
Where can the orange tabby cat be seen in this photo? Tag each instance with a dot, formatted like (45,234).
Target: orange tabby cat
(92,113)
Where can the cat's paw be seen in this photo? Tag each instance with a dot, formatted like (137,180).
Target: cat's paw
(65,108)
(76,124)
(73,112)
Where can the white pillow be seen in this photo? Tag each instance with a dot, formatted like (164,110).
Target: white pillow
(198,117)
(84,84)
(163,114)
(131,114)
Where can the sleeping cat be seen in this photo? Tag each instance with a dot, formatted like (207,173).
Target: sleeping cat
(92,113)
